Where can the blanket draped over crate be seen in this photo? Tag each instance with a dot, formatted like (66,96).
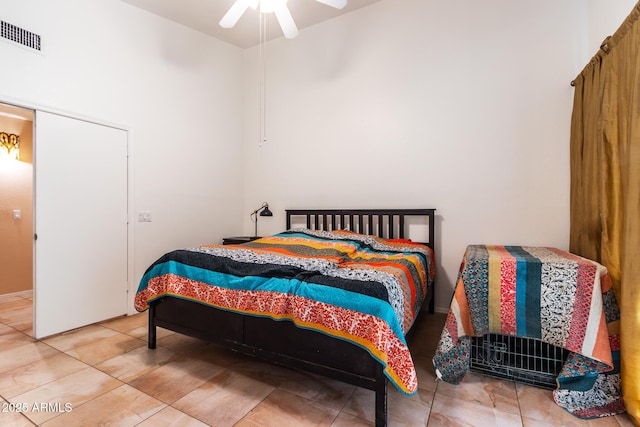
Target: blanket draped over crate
(547,294)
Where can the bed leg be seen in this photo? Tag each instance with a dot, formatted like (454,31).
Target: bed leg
(381,398)
(432,303)
(152,326)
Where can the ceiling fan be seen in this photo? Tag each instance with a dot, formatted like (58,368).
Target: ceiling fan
(278,7)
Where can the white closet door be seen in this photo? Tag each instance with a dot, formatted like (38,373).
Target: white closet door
(80,222)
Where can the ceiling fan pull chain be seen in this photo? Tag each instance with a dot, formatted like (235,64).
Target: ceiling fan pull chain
(263,79)
(290,30)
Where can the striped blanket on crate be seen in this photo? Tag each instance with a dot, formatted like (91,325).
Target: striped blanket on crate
(543,293)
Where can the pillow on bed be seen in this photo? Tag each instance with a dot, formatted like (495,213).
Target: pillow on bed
(400,241)
(348,232)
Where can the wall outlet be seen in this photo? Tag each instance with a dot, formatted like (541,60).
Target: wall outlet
(144,216)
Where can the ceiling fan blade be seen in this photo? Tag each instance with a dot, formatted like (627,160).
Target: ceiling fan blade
(338,4)
(231,18)
(286,21)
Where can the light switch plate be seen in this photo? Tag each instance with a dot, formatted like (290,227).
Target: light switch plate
(144,216)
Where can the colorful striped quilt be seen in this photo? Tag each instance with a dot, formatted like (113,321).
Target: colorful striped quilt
(543,293)
(354,287)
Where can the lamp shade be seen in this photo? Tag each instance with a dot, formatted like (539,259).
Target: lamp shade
(266,211)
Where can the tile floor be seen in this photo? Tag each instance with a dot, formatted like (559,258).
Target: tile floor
(103,374)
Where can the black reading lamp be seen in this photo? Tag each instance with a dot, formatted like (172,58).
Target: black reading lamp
(263,211)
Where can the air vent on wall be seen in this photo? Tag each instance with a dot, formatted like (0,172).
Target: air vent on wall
(19,35)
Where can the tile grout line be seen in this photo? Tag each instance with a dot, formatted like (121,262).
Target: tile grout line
(86,365)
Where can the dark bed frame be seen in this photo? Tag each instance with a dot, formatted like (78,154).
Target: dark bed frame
(281,341)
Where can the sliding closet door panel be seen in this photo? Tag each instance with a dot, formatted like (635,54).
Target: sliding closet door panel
(80,222)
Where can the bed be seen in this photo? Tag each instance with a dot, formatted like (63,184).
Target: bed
(334,294)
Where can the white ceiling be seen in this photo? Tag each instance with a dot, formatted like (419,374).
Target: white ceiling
(204,15)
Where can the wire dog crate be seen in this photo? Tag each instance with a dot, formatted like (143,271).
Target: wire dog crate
(525,360)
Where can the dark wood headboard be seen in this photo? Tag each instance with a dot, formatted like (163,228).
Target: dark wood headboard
(385,223)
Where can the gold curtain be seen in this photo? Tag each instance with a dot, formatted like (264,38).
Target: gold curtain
(605,183)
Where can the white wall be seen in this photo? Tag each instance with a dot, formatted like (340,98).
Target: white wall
(605,16)
(460,106)
(176,90)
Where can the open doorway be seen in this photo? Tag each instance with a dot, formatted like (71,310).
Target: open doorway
(16,216)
